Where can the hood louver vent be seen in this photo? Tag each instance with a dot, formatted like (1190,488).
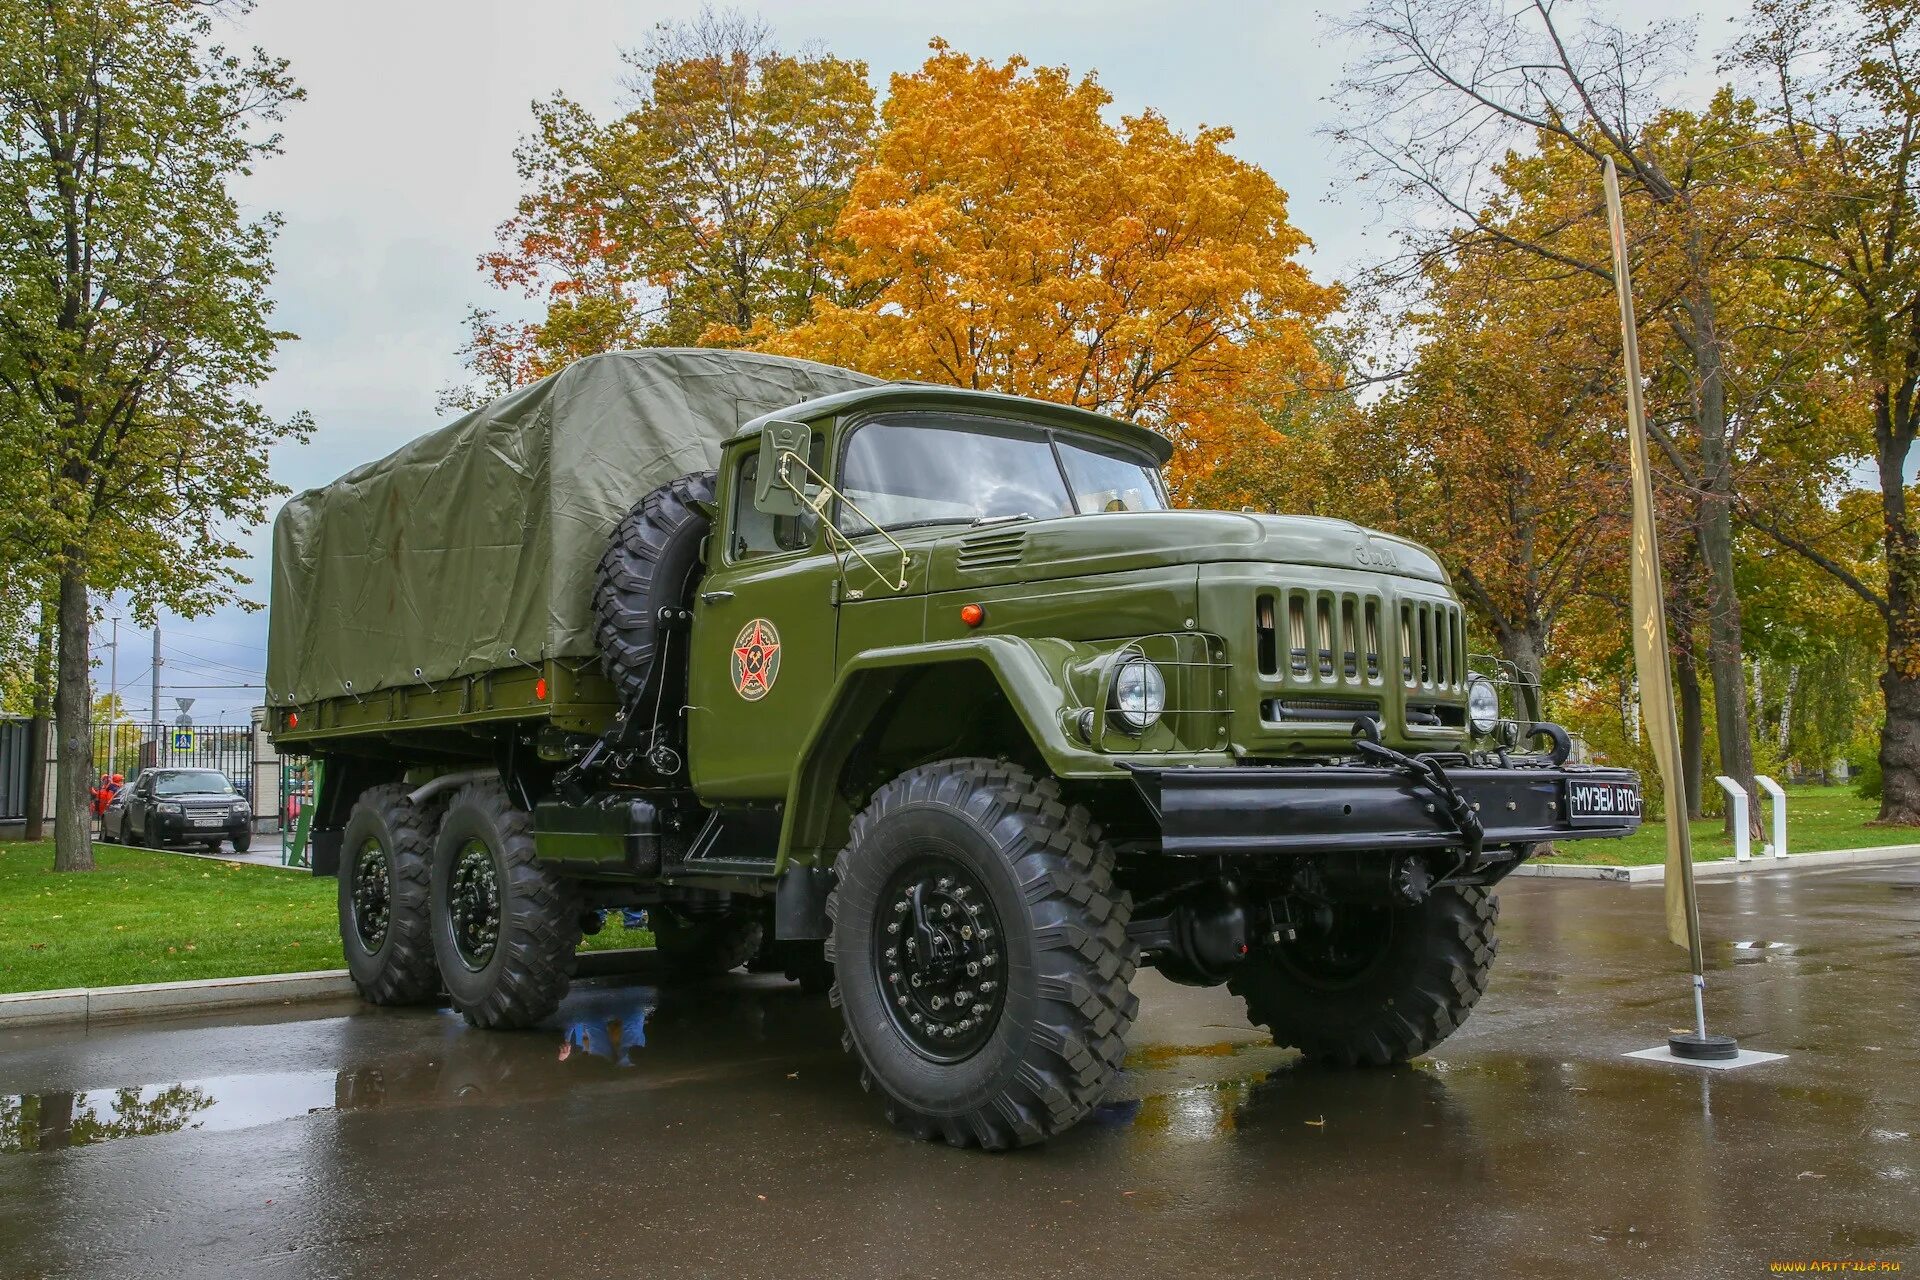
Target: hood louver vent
(990,550)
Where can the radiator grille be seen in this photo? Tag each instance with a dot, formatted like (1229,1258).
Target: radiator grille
(1433,645)
(1323,639)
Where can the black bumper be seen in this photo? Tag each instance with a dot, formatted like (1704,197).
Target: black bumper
(177,830)
(1337,808)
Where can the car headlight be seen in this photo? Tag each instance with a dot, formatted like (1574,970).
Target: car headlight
(164,807)
(240,809)
(1483,705)
(1139,696)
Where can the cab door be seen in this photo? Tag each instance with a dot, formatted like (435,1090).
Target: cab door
(762,659)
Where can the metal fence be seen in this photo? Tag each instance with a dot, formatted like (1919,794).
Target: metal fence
(16,766)
(272,786)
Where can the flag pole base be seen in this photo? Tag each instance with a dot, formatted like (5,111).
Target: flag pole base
(1704,1047)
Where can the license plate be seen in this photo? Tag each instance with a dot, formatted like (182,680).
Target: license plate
(1601,803)
(208,822)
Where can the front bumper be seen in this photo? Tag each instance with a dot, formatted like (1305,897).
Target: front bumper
(175,829)
(1344,808)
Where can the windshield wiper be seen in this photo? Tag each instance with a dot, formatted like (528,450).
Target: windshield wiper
(1018,515)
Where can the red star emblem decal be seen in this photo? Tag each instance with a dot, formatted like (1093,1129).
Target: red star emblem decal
(756,659)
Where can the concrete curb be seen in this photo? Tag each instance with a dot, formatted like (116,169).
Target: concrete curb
(209,995)
(1657,873)
(113,1004)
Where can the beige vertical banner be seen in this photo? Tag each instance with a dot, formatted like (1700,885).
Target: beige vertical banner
(1650,611)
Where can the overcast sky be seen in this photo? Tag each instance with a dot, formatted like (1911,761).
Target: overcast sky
(399,165)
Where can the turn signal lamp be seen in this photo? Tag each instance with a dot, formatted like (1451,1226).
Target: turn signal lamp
(293,719)
(540,689)
(972,614)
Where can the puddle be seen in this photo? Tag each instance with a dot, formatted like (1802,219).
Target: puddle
(470,1067)
(56,1120)
(1859,1235)
(613,1039)
(1165,1055)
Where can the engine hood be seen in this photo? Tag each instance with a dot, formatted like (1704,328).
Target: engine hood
(1073,546)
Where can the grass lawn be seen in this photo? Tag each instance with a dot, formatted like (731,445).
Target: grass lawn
(1817,818)
(160,917)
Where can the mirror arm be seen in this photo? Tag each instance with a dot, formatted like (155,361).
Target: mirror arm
(819,508)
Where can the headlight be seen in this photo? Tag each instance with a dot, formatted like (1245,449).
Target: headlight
(1483,705)
(240,809)
(1139,696)
(164,807)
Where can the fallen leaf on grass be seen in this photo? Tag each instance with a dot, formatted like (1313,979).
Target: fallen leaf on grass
(1321,1123)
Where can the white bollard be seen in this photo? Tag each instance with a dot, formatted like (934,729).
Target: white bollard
(1737,797)
(1779,797)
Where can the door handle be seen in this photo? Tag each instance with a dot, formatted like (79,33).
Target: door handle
(716,597)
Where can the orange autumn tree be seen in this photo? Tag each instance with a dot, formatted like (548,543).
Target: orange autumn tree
(1004,235)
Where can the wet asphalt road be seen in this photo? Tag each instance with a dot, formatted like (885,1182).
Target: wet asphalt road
(719,1131)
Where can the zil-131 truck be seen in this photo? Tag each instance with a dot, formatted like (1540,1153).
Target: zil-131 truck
(929,696)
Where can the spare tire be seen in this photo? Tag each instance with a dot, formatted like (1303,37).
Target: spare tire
(652,563)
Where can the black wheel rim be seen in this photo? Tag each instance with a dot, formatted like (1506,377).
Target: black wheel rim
(1339,946)
(941,957)
(372,895)
(473,905)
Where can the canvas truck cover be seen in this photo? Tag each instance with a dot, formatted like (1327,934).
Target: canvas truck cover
(482,537)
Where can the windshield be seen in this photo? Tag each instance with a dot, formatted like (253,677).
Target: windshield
(904,473)
(191,782)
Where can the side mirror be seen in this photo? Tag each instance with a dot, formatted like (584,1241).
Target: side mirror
(779,485)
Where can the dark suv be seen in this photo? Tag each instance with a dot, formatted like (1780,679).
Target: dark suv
(181,806)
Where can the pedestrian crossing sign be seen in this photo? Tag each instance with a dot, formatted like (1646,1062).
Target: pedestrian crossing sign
(183,739)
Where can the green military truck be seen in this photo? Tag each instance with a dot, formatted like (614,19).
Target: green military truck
(924,694)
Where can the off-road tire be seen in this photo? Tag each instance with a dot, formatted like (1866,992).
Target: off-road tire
(1430,971)
(402,969)
(1060,1031)
(531,962)
(651,563)
(243,842)
(709,946)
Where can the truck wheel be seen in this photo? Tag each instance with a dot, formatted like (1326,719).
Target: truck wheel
(651,564)
(383,896)
(980,954)
(1371,986)
(504,926)
(706,947)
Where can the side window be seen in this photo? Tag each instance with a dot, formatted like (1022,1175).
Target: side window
(754,532)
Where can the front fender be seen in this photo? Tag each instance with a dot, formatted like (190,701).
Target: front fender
(1033,675)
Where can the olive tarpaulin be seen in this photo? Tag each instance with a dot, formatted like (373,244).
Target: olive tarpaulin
(482,537)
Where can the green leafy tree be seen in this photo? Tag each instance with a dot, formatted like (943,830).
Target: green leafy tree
(700,212)
(1844,94)
(134,321)
(1449,99)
